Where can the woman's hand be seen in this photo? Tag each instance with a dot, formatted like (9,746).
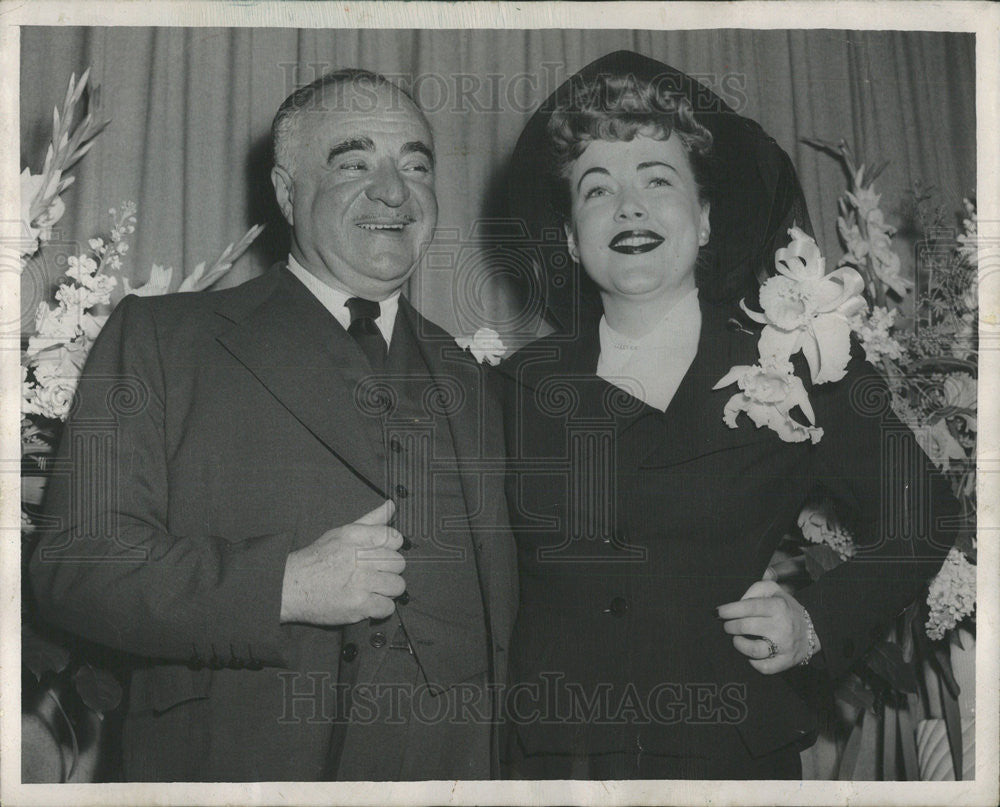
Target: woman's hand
(769,627)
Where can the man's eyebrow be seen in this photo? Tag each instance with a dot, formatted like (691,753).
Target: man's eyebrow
(595,170)
(418,147)
(354,144)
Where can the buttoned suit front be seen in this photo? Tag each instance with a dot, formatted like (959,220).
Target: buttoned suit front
(634,524)
(215,433)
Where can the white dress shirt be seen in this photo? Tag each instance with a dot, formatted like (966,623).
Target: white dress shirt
(334,300)
(651,368)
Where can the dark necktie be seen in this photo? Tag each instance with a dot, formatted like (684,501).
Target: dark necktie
(365,330)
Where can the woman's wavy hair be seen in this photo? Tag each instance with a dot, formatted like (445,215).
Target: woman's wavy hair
(619,107)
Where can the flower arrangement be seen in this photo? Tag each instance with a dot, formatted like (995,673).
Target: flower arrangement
(930,371)
(51,363)
(929,360)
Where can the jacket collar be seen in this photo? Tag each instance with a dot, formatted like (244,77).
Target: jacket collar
(310,364)
(692,424)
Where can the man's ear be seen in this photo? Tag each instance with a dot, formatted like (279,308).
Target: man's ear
(284,190)
(574,252)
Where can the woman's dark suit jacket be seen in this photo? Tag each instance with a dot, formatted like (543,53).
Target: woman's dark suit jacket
(633,525)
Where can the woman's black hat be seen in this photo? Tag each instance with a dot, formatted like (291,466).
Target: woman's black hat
(755,193)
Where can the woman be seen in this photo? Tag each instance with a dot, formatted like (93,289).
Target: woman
(646,645)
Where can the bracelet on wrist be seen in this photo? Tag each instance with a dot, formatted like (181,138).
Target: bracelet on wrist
(812,639)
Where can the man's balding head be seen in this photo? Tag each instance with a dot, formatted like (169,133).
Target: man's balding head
(354,177)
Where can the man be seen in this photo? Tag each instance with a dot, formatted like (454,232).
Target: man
(226,484)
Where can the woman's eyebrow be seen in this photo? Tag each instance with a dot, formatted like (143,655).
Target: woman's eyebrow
(654,163)
(596,169)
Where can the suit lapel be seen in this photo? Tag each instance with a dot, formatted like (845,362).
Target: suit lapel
(309,363)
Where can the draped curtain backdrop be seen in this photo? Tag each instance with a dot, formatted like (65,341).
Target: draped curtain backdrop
(191,110)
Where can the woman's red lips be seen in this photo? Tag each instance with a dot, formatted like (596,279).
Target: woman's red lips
(635,242)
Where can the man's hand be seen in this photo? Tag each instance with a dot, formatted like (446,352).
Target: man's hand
(769,627)
(348,574)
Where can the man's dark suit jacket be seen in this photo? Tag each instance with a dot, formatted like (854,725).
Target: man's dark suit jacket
(213,434)
(633,525)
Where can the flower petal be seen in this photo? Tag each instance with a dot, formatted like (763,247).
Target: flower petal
(778,344)
(833,348)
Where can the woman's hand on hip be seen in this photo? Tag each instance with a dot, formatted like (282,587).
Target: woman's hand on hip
(769,627)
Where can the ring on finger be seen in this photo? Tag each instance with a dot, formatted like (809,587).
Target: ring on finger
(772,648)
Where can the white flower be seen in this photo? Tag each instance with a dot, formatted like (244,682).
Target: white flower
(81,268)
(959,390)
(62,362)
(864,199)
(485,345)
(41,228)
(951,595)
(857,247)
(819,525)
(808,310)
(873,330)
(885,261)
(770,390)
(53,399)
(79,299)
(939,444)
(158,283)
(91,325)
(55,323)
(94,286)
(53,326)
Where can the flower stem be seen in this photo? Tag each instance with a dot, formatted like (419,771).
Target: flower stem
(72,734)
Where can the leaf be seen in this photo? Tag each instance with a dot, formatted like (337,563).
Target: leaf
(855,694)
(873,174)
(908,739)
(41,655)
(886,660)
(953,726)
(98,689)
(820,559)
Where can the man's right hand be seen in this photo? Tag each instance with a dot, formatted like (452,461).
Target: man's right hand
(348,574)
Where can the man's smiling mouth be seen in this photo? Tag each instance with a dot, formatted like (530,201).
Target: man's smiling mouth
(635,242)
(383,226)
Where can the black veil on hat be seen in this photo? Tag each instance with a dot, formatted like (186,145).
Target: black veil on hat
(755,193)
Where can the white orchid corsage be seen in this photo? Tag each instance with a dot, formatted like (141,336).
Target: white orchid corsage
(485,345)
(804,309)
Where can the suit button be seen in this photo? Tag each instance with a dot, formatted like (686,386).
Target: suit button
(848,648)
(401,491)
(403,598)
(377,639)
(618,607)
(395,445)
(349,652)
